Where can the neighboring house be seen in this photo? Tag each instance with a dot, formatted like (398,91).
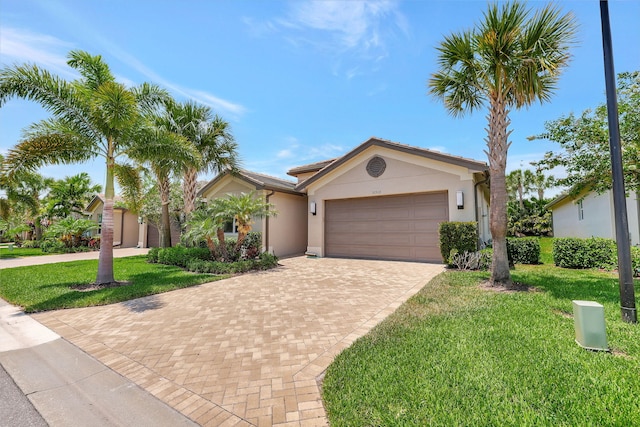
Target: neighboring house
(592,215)
(125,224)
(381,200)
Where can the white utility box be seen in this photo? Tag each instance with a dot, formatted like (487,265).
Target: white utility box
(591,332)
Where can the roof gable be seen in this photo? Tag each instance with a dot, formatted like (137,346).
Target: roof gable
(472,165)
(258,180)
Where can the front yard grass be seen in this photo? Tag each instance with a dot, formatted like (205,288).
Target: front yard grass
(457,354)
(6,253)
(49,287)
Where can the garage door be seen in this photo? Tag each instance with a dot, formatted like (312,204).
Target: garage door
(390,227)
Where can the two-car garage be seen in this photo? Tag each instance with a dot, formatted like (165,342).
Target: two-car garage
(398,227)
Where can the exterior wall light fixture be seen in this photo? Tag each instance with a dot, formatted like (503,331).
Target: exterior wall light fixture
(460,199)
(312,208)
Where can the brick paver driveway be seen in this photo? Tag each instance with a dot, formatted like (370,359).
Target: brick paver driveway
(247,350)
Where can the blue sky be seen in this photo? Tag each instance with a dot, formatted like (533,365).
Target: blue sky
(300,81)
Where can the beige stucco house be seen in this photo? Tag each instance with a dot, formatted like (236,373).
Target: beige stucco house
(125,224)
(592,215)
(381,200)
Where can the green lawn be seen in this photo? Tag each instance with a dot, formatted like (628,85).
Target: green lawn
(48,287)
(458,355)
(6,253)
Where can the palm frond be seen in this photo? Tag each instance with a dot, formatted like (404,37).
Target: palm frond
(54,94)
(130,182)
(94,70)
(47,143)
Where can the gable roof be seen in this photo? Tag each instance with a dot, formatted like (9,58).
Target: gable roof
(330,165)
(260,181)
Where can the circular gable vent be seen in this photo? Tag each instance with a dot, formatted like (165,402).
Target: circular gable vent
(376,166)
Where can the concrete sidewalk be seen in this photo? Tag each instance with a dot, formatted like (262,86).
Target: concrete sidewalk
(65,385)
(79,256)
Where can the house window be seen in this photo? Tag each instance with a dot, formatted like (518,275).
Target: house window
(230,226)
(580,211)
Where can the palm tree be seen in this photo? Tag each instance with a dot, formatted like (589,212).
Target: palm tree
(207,223)
(510,60)
(70,195)
(24,196)
(519,183)
(243,209)
(210,135)
(179,154)
(541,182)
(93,116)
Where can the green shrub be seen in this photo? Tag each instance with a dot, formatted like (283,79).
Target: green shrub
(252,245)
(152,256)
(31,244)
(52,246)
(180,256)
(595,252)
(635,260)
(524,250)
(264,262)
(461,236)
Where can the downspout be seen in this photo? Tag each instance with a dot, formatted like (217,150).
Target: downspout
(121,227)
(266,224)
(475,203)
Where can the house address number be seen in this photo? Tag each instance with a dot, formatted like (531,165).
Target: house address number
(376,192)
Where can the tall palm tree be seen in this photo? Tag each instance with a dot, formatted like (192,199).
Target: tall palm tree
(519,183)
(511,59)
(92,116)
(211,136)
(541,182)
(179,154)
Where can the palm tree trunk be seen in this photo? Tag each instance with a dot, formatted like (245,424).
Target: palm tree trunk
(105,261)
(189,184)
(38,227)
(498,144)
(222,244)
(165,223)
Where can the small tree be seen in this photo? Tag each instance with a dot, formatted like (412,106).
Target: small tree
(244,208)
(207,223)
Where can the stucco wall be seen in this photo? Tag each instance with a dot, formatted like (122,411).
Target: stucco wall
(598,217)
(231,185)
(130,230)
(288,229)
(404,174)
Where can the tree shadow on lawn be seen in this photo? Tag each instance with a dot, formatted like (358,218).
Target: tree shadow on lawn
(140,285)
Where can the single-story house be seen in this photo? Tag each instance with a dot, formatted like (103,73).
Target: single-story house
(592,215)
(125,224)
(381,200)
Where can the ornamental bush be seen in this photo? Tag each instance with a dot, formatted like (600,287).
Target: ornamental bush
(459,236)
(180,256)
(595,252)
(524,250)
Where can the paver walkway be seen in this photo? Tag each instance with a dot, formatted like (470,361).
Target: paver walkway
(247,350)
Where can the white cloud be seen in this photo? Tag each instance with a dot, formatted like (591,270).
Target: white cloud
(19,46)
(356,30)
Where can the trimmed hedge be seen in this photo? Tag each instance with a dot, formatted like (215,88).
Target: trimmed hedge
(524,250)
(264,262)
(199,260)
(595,252)
(459,236)
(177,255)
(635,260)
